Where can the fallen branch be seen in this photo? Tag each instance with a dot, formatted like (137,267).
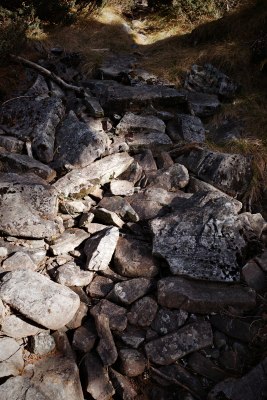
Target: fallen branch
(48,74)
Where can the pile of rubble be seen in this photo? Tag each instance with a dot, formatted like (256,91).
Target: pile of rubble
(128,268)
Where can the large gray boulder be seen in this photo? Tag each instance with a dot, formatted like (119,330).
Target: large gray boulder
(28,206)
(39,299)
(231,173)
(205,238)
(134,123)
(77,145)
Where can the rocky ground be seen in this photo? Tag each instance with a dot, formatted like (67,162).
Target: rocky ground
(129,268)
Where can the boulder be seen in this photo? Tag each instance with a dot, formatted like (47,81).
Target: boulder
(120,206)
(130,291)
(167,321)
(133,123)
(142,312)
(47,303)
(16,327)
(68,241)
(11,358)
(70,274)
(188,128)
(115,314)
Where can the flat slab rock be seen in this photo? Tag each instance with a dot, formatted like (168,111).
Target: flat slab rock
(202,104)
(68,241)
(100,172)
(131,290)
(202,296)
(28,206)
(204,238)
(188,128)
(133,123)
(230,173)
(170,348)
(39,299)
(77,145)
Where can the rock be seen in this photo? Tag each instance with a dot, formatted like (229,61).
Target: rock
(122,385)
(93,106)
(68,241)
(130,291)
(28,206)
(100,248)
(17,328)
(146,160)
(133,174)
(250,387)
(164,160)
(106,347)
(11,358)
(121,188)
(19,260)
(42,344)
(84,338)
(139,141)
(20,163)
(108,217)
(168,349)
(95,228)
(115,314)
(133,123)
(133,259)
(35,249)
(203,105)
(79,317)
(133,336)
(120,206)
(171,179)
(70,274)
(77,145)
(254,276)
(97,380)
(168,321)
(202,296)
(20,388)
(17,118)
(205,367)
(132,362)
(11,144)
(227,132)
(230,173)
(39,88)
(85,220)
(80,181)
(99,287)
(208,79)
(262,261)
(46,303)
(186,127)
(234,327)
(117,98)
(143,312)
(204,238)
(74,207)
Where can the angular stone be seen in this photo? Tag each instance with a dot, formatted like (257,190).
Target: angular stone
(68,241)
(133,336)
(143,312)
(74,207)
(186,127)
(11,144)
(19,260)
(133,173)
(130,291)
(95,228)
(20,388)
(170,348)
(15,327)
(108,217)
(93,106)
(133,258)
(203,105)
(42,344)
(140,141)
(115,314)
(79,317)
(103,171)
(262,261)
(205,238)
(28,206)
(121,188)
(84,338)
(97,380)
(46,303)
(251,386)
(70,274)
(100,248)
(77,145)
(146,160)
(234,327)
(20,163)
(132,362)
(133,123)
(204,366)
(164,160)
(230,173)
(254,276)
(106,347)
(122,385)
(203,297)
(167,321)
(39,88)
(35,249)
(208,79)
(34,120)
(171,179)
(120,206)
(11,357)
(99,287)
